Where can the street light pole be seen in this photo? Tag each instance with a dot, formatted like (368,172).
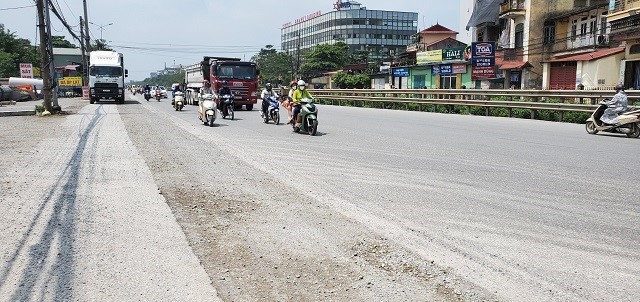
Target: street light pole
(101,26)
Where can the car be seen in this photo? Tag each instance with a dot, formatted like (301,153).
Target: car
(163,91)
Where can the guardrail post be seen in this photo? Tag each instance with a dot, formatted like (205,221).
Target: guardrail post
(510,110)
(561,116)
(533,114)
(486,111)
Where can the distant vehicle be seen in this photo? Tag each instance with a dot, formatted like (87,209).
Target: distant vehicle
(106,76)
(242,79)
(163,91)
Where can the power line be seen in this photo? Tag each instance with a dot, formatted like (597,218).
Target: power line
(61,18)
(20,7)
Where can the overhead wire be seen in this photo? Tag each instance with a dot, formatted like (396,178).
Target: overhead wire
(19,7)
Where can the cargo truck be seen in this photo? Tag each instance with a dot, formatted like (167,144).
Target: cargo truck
(241,77)
(106,76)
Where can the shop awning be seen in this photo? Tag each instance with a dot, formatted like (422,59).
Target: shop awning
(594,55)
(514,65)
(68,67)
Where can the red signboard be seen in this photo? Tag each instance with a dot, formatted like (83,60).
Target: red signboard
(480,73)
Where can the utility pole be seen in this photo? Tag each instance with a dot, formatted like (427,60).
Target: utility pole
(298,57)
(85,67)
(52,68)
(86,27)
(44,56)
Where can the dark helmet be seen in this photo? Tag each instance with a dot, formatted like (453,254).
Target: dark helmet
(619,87)
(268,86)
(224,83)
(205,83)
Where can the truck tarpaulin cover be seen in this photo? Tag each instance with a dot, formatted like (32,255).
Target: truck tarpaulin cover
(484,11)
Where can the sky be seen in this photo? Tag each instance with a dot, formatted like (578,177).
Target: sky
(152,33)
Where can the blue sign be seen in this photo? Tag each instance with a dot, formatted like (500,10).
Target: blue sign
(401,72)
(340,5)
(483,54)
(444,69)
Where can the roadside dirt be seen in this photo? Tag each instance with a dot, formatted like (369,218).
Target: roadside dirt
(259,240)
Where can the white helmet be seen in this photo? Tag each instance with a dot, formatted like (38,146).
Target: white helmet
(301,83)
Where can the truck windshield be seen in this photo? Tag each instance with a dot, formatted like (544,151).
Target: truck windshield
(245,72)
(105,71)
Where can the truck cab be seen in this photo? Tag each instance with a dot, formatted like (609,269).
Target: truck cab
(106,76)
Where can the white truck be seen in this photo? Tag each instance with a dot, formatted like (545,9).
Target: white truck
(106,76)
(193,79)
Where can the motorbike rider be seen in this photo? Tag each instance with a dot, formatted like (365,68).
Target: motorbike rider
(266,93)
(618,104)
(222,91)
(286,102)
(206,88)
(299,94)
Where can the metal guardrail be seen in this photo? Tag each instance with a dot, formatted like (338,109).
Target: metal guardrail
(557,100)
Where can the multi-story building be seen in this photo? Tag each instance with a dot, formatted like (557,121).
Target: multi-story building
(383,34)
(576,48)
(624,19)
(555,44)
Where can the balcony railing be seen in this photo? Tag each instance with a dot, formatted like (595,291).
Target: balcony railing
(622,5)
(511,54)
(514,5)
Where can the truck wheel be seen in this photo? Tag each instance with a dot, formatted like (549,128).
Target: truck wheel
(92,100)
(121,100)
(249,107)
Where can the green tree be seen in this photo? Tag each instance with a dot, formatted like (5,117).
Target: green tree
(101,44)
(324,58)
(14,51)
(61,42)
(275,67)
(344,80)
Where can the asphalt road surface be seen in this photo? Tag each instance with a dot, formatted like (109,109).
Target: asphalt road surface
(520,208)
(394,205)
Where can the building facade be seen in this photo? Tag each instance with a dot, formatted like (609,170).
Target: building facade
(382,34)
(624,19)
(549,44)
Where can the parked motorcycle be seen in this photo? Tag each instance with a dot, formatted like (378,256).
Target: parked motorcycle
(307,118)
(207,109)
(227,106)
(158,94)
(273,112)
(178,101)
(629,122)
(147,95)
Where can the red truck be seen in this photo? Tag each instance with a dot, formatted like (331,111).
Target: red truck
(241,77)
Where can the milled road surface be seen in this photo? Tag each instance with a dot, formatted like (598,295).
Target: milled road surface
(395,206)
(82,219)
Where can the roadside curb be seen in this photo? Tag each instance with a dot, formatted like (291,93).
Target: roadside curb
(18,113)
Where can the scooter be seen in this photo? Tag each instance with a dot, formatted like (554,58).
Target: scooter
(227,106)
(273,112)
(207,109)
(158,95)
(178,101)
(307,118)
(629,122)
(147,95)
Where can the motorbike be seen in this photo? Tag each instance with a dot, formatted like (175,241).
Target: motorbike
(227,106)
(273,112)
(147,95)
(629,122)
(207,109)
(307,118)
(158,95)
(134,91)
(178,101)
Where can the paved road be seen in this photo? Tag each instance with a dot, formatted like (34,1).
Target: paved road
(82,219)
(518,207)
